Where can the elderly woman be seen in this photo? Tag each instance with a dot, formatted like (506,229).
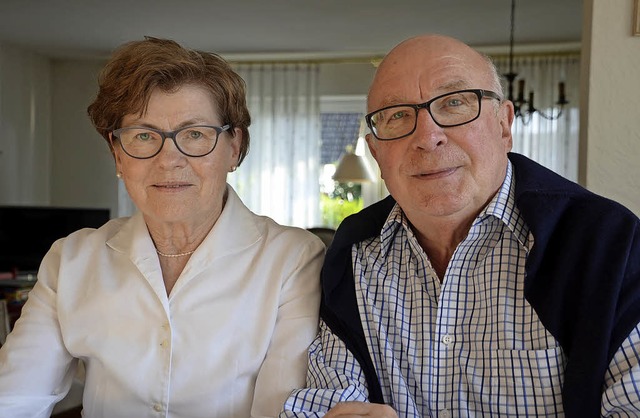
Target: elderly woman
(194,306)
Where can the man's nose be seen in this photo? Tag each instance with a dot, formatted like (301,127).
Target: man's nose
(428,134)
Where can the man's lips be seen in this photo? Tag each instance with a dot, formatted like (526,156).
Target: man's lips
(435,174)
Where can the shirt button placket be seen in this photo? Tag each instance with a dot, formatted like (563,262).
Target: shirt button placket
(165,345)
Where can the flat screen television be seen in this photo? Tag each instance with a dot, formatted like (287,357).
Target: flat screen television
(27,232)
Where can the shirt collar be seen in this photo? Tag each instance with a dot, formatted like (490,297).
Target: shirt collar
(502,207)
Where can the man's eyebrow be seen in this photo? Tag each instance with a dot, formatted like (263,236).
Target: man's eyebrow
(391,100)
(454,85)
(449,86)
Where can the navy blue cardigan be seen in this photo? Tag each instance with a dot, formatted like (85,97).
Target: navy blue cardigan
(582,278)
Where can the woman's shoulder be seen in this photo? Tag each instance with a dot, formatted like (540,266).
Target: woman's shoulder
(81,245)
(108,228)
(82,237)
(293,235)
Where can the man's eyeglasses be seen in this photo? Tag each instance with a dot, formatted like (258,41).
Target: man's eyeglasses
(447,110)
(192,141)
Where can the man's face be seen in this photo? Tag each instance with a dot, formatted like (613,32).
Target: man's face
(446,173)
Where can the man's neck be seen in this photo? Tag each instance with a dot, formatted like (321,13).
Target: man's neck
(440,239)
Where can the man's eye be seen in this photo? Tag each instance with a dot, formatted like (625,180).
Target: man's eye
(453,102)
(399,114)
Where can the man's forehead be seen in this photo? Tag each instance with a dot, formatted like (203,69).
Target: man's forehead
(415,75)
(418,90)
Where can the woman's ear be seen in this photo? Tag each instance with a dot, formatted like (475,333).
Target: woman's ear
(116,155)
(236,142)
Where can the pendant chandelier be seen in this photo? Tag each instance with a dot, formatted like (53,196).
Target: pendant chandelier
(524,108)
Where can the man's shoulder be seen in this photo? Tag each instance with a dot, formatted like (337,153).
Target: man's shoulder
(337,272)
(543,195)
(364,224)
(532,177)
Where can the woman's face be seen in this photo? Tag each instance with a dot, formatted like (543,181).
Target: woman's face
(172,187)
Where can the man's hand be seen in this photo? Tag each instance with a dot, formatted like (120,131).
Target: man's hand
(361,409)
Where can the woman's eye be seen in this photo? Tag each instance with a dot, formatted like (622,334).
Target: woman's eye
(144,136)
(454,103)
(194,134)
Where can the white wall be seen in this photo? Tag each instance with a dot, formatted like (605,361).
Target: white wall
(82,169)
(25,127)
(49,152)
(610,108)
(345,78)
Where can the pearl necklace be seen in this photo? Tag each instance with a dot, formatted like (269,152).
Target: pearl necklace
(175,255)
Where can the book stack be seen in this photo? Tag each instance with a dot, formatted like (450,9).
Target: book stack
(5,326)
(14,291)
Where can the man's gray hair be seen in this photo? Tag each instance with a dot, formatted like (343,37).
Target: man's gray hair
(495,75)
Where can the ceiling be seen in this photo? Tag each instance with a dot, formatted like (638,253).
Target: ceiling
(253,28)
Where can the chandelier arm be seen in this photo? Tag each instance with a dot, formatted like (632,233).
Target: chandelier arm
(550,116)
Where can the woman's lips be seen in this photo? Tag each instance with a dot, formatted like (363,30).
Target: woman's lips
(171,186)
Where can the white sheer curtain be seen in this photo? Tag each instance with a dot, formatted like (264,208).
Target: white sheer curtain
(280,176)
(552,143)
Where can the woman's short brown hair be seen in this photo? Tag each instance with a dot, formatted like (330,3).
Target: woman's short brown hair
(137,68)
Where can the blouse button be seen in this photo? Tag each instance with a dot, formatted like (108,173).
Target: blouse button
(157,407)
(444,414)
(447,339)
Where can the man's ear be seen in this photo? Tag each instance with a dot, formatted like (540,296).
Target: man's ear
(372,144)
(506,115)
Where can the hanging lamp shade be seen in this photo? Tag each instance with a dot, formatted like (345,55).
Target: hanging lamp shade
(353,168)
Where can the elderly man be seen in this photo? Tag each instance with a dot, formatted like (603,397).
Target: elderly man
(485,285)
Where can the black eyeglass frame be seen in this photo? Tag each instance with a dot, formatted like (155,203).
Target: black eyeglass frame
(427,105)
(171,134)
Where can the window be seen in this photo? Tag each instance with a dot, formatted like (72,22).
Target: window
(342,126)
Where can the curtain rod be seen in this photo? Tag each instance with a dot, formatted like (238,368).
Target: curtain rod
(496,51)
(563,54)
(303,60)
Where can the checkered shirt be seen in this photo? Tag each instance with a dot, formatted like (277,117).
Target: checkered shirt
(469,346)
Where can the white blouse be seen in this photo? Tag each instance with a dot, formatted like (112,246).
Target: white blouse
(229,341)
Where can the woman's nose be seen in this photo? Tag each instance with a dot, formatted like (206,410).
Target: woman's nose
(170,151)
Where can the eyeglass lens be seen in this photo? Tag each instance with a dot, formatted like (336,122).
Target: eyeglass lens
(452,109)
(193,141)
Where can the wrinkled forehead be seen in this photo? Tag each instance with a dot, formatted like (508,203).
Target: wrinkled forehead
(415,76)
